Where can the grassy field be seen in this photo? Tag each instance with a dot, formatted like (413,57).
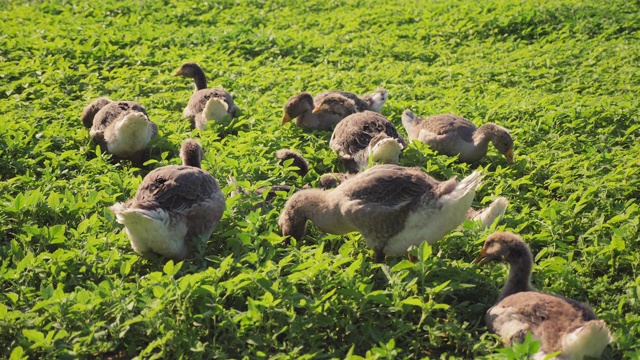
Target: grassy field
(563,76)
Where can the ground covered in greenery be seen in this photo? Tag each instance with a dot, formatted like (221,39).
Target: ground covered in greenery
(563,76)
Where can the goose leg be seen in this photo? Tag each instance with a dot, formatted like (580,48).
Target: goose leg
(410,257)
(351,166)
(378,256)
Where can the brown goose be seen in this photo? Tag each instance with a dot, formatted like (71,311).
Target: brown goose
(454,135)
(327,109)
(121,128)
(297,160)
(393,207)
(487,216)
(308,117)
(332,180)
(374,101)
(559,323)
(205,104)
(363,135)
(175,208)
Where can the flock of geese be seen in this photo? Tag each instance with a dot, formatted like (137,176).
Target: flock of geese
(177,207)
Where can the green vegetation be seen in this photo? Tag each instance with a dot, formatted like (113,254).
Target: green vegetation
(564,76)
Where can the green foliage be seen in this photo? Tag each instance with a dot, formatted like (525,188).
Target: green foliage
(563,76)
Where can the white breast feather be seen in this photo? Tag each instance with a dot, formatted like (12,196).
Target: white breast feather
(132,134)
(507,321)
(433,221)
(589,340)
(153,230)
(215,109)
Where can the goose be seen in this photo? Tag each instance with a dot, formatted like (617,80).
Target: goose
(393,207)
(326,181)
(327,109)
(298,160)
(120,128)
(205,104)
(363,135)
(374,101)
(175,208)
(308,117)
(559,323)
(454,135)
(486,216)
(332,180)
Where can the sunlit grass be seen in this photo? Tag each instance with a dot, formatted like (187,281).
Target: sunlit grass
(562,76)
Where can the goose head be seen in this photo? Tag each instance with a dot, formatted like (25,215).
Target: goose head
(193,71)
(510,248)
(409,119)
(90,111)
(296,106)
(505,247)
(293,220)
(331,180)
(503,142)
(377,99)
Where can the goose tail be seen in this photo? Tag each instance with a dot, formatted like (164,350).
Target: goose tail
(119,209)
(471,182)
(493,212)
(587,341)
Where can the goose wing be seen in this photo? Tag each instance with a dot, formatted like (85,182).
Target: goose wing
(449,124)
(361,105)
(175,188)
(547,317)
(388,185)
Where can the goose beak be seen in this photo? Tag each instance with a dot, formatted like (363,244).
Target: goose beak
(285,119)
(178,72)
(509,156)
(316,109)
(481,259)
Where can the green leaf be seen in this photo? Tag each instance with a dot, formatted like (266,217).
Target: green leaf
(424,251)
(171,269)
(440,287)
(402,265)
(12,296)
(34,336)
(3,311)
(414,301)
(158,291)
(17,353)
